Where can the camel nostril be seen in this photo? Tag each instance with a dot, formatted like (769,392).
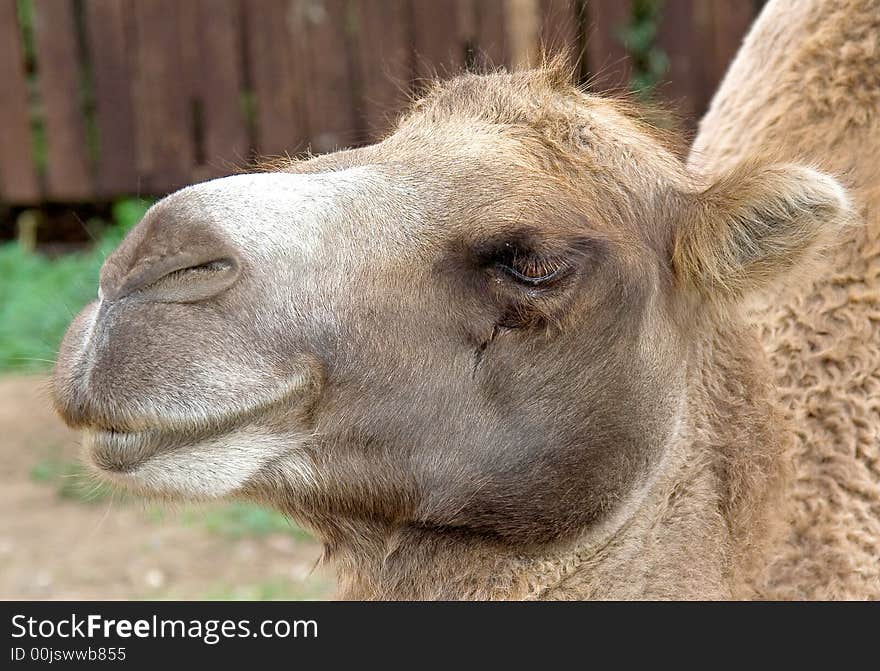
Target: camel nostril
(181,279)
(216,266)
(193,282)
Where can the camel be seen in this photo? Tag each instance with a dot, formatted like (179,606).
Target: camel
(508,352)
(806,86)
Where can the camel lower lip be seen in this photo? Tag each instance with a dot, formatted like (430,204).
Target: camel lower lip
(120,452)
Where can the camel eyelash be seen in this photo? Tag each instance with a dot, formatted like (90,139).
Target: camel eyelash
(531,261)
(534,271)
(527,267)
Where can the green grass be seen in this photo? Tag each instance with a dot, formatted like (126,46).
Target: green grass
(39,296)
(71,480)
(237,519)
(270,590)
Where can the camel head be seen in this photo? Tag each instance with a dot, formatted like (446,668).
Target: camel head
(483,324)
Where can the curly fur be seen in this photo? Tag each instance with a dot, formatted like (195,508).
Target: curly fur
(806,86)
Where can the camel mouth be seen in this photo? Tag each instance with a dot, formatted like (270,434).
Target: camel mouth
(120,449)
(198,458)
(122,446)
(119,452)
(156,462)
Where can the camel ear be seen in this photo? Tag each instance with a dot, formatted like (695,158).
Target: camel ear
(753,225)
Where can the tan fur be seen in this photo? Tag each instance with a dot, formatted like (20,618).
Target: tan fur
(806,86)
(740,269)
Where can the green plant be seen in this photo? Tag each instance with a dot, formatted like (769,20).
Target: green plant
(235,520)
(276,589)
(649,62)
(39,296)
(71,480)
(238,519)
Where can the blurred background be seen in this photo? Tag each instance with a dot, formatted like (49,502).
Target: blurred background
(106,105)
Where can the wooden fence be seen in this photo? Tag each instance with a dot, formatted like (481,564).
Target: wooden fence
(103,98)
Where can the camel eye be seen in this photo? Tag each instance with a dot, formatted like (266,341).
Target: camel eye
(533,273)
(529,268)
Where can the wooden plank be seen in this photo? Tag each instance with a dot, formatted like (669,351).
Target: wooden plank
(523,28)
(466,15)
(684,27)
(560,29)
(384,62)
(608,64)
(189,69)
(108,29)
(437,40)
(68,176)
(18,177)
(329,86)
(163,98)
(730,23)
(217,80)
(490,34)
(700,39)
(274,40)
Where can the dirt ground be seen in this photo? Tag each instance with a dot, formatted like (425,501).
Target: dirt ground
(57,547)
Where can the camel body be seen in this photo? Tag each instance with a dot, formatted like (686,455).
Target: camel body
(805,86)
